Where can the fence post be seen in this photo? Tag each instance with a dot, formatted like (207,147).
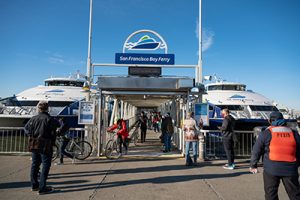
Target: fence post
(202,146)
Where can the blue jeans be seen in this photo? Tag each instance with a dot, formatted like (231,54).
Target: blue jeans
(167,141)
(37,160)
(188,145)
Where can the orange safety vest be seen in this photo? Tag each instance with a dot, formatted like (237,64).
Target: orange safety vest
(282,145)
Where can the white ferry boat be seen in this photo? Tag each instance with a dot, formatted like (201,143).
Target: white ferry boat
(62,94)
(249,108)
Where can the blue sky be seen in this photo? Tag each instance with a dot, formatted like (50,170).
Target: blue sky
(255,42)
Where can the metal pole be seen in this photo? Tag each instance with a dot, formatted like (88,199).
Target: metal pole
(99,123)
(199,75)
(89,64)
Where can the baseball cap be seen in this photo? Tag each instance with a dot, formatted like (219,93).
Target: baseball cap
(275,115)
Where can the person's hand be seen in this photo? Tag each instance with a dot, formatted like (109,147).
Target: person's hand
(219,127)
(253,170)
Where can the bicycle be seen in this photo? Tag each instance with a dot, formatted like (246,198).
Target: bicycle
(79,148)
(111,148)
(135,136)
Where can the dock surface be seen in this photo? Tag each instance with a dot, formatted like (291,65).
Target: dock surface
(145,173)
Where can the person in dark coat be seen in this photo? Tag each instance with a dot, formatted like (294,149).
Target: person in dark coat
(280,147)
(42,131)
(227,130)
(63,131)
(167,130)
(143,126)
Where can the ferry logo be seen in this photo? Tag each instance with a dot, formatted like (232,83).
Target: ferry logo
(144,43)
(55,91)
(236,96)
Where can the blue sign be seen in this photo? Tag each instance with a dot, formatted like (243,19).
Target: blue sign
(146,59)
(201,113)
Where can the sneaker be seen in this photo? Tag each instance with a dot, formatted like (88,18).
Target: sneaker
(231,167)
(58,163)
(47,190)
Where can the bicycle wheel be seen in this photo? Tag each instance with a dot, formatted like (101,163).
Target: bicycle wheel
(111,149)
(82,150)
(135,139)
(55,152)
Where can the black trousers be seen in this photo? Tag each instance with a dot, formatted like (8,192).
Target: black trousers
(271,184)
(122,141)
(143,134)
(63,144)
(228,147)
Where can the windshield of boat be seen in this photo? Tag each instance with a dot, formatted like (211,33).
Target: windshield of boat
(263,108)
(227,87)
(64,83)
(231,107)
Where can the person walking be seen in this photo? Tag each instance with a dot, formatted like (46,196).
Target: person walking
(169,130)
(143,126)
(228,137)
(122,134)
(280,147)
(63,132)
(191,138)
(42,131)
(156,121)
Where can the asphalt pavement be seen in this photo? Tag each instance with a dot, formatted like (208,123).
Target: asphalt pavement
(145,173)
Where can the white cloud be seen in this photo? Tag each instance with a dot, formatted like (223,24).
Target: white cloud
(55,60)
(207,37)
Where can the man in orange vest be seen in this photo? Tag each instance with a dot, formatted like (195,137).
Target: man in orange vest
(280,146)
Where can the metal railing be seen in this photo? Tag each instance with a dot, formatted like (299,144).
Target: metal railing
(214,143)
(14,140)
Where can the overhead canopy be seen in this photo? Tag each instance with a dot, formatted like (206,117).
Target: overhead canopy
(145,91)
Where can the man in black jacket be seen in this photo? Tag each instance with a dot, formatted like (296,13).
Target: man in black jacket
(280,146)
(227,130)
(42,131)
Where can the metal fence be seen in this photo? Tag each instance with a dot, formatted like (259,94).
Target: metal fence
(14,140)
(214,143)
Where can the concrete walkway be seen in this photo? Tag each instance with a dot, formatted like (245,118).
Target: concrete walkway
(146,173)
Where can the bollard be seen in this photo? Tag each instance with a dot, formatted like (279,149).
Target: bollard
(202,147)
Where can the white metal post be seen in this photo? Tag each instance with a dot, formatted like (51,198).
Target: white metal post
(99,123)
(89,64)
(199,71)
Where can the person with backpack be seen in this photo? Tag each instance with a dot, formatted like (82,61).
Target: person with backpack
(122,134)
(191,138)
(228,137)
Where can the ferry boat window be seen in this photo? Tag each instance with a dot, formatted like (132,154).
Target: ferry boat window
(263,108)
(227,87)
(64,83)
(215,87)
(231,107)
